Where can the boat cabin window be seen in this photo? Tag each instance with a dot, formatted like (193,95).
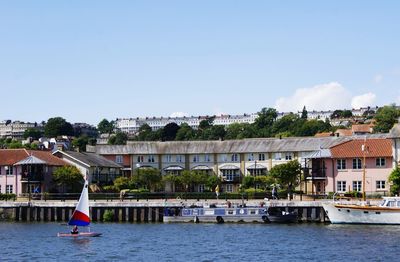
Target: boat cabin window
(398,203)
(391,204)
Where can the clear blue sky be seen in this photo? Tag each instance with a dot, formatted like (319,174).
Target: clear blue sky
(89,60)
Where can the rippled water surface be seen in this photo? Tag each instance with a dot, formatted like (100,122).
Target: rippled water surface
(202,242)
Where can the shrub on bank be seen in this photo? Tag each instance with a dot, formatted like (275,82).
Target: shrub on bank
(7,196)
(108,216)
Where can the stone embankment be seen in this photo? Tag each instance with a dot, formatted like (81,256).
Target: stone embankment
(142,210)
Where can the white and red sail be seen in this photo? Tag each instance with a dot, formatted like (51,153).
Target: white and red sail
(81,217)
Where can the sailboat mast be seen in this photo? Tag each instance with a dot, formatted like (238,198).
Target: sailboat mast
(364,149)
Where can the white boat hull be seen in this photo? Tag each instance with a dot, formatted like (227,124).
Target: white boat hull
(351,214)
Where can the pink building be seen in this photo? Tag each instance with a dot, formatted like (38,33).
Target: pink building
(344,170)
(23,171)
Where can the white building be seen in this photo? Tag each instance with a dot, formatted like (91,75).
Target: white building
(16,129)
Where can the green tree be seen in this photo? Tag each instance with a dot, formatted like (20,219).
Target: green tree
(185,133)
(248,182)
(286,174)
(80,143)
(266,118)
(212,182)
(34,133)
(394,178)
(145,133)
(169,132)
(206,123)
(304,113)
(69,177)
(122,183)
(149,178)
(118,139)
(58,126)
(213,133)
(385,118)
(106,127)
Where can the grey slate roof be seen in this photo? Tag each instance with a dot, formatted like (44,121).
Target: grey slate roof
(91,159)
(30,160)
(298,144)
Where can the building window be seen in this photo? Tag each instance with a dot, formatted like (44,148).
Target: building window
(224,158)
(179,158)
(119,159)
(230,174)
(168,158)
(278,156)
(9,170)
(234,157)
(207,158)
(196,158)
(201,188)
(341,164)
(140,159)
(261,157)
(380,162)
(150,158)
(9,189)
(357,163)
(357,186)
(257,172)
(229,188)
(289,156)
(341,186)
(380,184)
(250,157)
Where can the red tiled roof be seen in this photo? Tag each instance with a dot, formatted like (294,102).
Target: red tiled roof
(323,134)
(12,156)
(375,148)
(364,128)
(344,132)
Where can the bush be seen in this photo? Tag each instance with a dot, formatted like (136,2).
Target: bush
(108,216)
(7,196)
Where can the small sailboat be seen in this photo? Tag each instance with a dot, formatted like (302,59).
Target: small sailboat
(81,217)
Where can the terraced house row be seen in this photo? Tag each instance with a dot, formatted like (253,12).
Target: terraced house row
(330,164)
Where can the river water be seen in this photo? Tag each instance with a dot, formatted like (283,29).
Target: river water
(201,242)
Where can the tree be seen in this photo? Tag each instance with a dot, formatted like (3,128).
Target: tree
(169,132)
(206,123)
(185,133)
(394,178)
(286,174)
(34,133)
(58,126)
(80,143)
(121,183)
(106,127)
(149,178)
(118,139)
(304,113)
(213,133)
(266,117)
(68,177)
(385,118)
(212,182)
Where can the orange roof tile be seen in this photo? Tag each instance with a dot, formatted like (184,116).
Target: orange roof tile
(364,128)
(375,148)
(323,134)
(344,132)
(12,156)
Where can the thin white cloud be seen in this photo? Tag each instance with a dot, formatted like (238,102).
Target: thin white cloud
(364,100)
(178,114)
(378,78)
(320,97)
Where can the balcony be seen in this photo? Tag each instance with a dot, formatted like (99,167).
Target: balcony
(33,177)
(231,180)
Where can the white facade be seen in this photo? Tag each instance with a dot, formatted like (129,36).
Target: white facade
(132,125)
(14,129)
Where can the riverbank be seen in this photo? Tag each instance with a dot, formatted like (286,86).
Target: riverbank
(142,210)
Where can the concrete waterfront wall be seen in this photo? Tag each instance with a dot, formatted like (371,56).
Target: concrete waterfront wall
(138,211)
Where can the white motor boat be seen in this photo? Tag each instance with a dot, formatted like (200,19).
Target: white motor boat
(387,213)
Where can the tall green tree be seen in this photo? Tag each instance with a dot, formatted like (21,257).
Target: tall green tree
(266,117)
(35,133)
(385,118)
(106,127)
(80,143)
(304,113)
(185,133)
(169,132)
(149,178)
(58,126)
(69,177)
(394,178)
(286,174)
(118,139)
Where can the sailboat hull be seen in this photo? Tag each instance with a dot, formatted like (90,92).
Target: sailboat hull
(83,234)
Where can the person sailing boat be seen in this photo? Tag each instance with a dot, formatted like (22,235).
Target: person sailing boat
(75,230)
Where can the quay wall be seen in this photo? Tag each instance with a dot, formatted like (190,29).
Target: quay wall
(138,211)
